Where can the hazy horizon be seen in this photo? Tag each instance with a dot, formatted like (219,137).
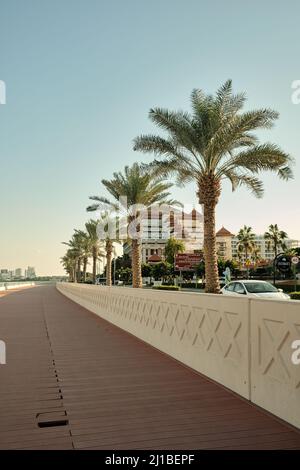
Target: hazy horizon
(80,79)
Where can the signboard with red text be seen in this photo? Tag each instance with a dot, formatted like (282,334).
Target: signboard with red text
(187,261)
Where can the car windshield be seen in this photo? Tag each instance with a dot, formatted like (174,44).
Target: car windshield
(259,287)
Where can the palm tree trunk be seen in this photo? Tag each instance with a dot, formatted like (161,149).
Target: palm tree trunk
(79,271)
(137,281)
(133,271)
(246,262)
(108,262)
(84,268)
(94,265)
(209,192)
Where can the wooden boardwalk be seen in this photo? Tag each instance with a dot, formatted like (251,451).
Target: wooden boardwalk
(74,381)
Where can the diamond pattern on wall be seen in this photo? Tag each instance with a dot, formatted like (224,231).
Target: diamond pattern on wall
(274,350)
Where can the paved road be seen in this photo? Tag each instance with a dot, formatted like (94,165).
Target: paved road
(74,381)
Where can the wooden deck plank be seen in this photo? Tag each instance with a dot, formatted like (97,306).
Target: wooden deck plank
(116,391)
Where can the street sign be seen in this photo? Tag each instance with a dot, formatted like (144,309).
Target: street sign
(187,261)
(283,263)
(295,259)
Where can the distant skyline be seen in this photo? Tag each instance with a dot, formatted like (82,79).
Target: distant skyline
(80,79)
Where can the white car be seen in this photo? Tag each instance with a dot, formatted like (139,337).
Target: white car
(254,290)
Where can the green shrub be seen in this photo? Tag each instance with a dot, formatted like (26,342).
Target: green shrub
(173,288)
(192,285)
(295,295)
(288,288)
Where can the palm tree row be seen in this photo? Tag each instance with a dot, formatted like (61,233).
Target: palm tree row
(83,245)
(136,186)
(213,143)
(247,241)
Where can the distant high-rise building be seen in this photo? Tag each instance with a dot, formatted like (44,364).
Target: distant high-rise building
(30,272)
(18,272)
(4,275)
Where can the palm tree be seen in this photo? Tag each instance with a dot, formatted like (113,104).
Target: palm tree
(291,252)
(246,241)
(276,238)
(86,246)
(140,187)
(77,250)
(172,248)
(246,244)
(95,244)
(69,263)
(255,255)
(214,143)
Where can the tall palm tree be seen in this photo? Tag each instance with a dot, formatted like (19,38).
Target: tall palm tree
(69,263)
(255,255)
(213,143)
(172,248)
(77,249)
(140,186)
(95,244)
(276,238)
(86,246)
(246,241)
(108,241)
(246,244)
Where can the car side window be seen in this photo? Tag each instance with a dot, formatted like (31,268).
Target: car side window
(230,287)
(239,289)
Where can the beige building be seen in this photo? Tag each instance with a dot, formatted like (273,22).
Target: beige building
(157,229)
(227,246)
(224,243)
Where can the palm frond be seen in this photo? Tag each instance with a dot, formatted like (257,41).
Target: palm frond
(258,158)
(238,179)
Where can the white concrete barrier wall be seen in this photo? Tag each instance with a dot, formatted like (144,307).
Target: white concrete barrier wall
(275,380)
(245,345)
(16,285)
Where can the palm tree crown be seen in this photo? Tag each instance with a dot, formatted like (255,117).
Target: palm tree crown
(276,238)
(246,241)
(172,248)
(69,263)
(95,244)
(77,250)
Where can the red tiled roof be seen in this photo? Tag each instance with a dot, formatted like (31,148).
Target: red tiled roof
(223,232)
(154,258)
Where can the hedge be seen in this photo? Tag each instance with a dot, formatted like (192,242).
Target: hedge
(295,295)
(191,285)
(173,288)
(287,287)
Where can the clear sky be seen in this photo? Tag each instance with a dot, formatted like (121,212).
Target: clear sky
(81,76)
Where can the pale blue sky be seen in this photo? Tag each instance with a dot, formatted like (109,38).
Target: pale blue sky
(81,76)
